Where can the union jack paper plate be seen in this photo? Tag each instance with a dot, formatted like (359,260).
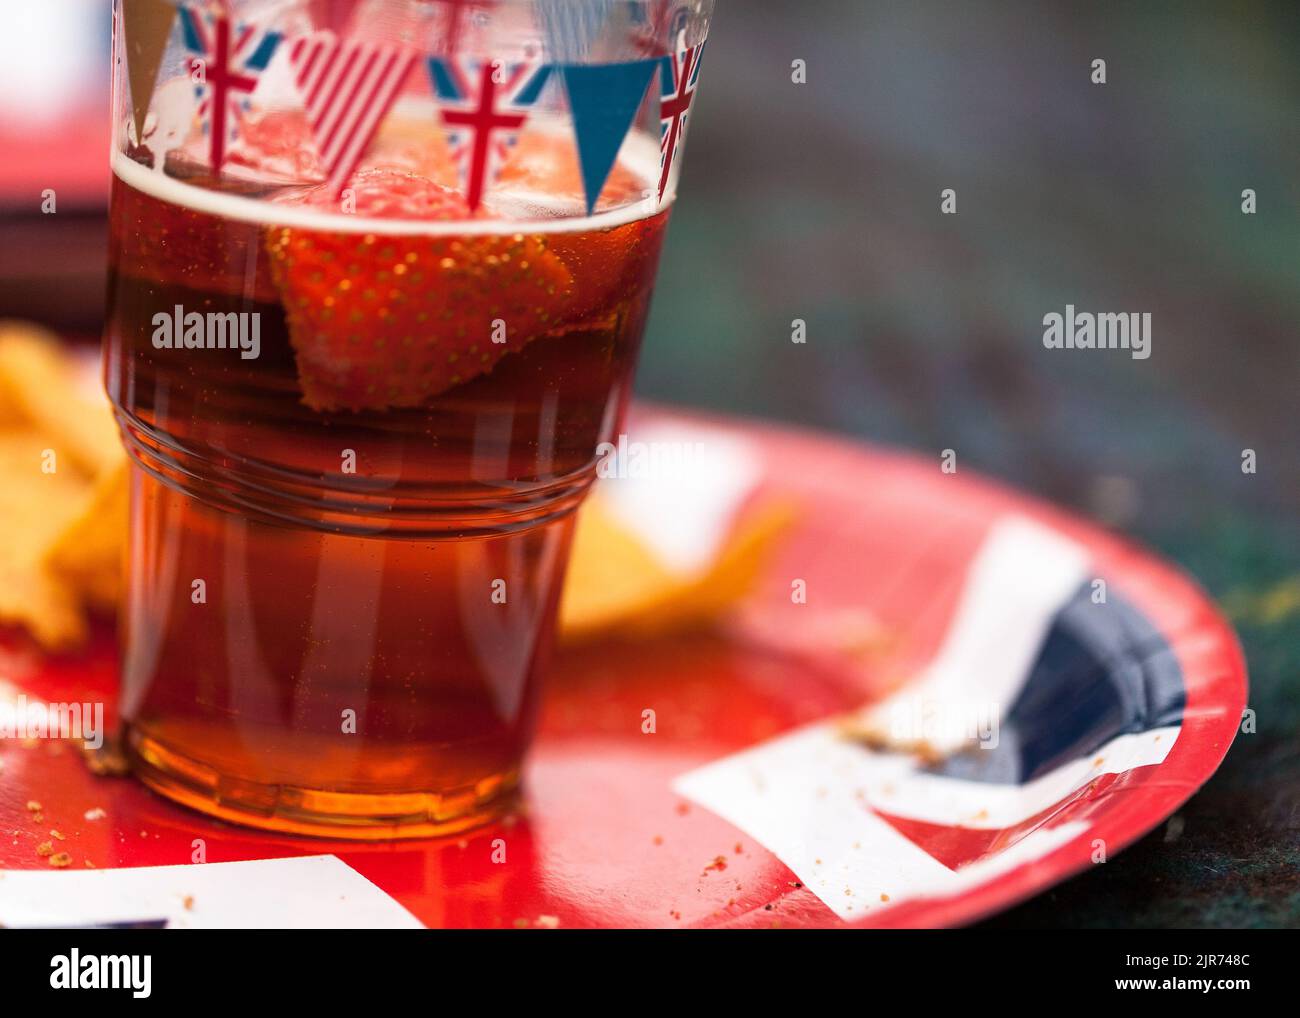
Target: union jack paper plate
(828,755)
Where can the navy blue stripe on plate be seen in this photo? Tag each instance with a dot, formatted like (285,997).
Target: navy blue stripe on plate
(1104,670)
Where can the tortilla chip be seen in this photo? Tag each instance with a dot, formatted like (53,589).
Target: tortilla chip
(47,609)
(35,508)
(62,490)
(612,575)
(41,384)
(616,582)
(35,504)
(88,553)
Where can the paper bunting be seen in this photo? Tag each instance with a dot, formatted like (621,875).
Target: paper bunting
(233,58)
(146,26)
(679,76)
(604,99)
(484,103)
(348,86)
(347,89)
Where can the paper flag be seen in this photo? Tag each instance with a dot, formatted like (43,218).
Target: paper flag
(347,88)
(484,104)
(147,24)
(233,58)
(678,78)
(604,99)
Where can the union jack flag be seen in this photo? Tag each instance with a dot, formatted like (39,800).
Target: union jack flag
(232,60)
(347,88)
(485,103)
(679,74)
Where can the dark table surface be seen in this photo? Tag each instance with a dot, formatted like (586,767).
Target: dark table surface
(822,202)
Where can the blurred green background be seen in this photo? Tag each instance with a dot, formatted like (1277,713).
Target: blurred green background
(822,202)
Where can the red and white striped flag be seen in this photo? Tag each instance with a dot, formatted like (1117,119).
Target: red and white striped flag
(347,88)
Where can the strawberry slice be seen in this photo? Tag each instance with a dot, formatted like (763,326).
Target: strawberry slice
(379,321)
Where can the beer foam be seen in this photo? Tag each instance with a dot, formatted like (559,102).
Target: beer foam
(540,214)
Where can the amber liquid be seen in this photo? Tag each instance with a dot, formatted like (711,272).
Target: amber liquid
(334,649)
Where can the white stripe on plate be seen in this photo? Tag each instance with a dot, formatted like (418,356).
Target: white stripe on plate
(311,892)
(806,796)
(942,800)
(1019,579)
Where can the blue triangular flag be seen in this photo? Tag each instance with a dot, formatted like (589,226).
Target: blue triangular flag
(604,99)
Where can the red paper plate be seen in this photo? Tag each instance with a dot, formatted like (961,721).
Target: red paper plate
(1119,689)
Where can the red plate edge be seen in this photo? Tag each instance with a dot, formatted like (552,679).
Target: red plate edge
(1213,709)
